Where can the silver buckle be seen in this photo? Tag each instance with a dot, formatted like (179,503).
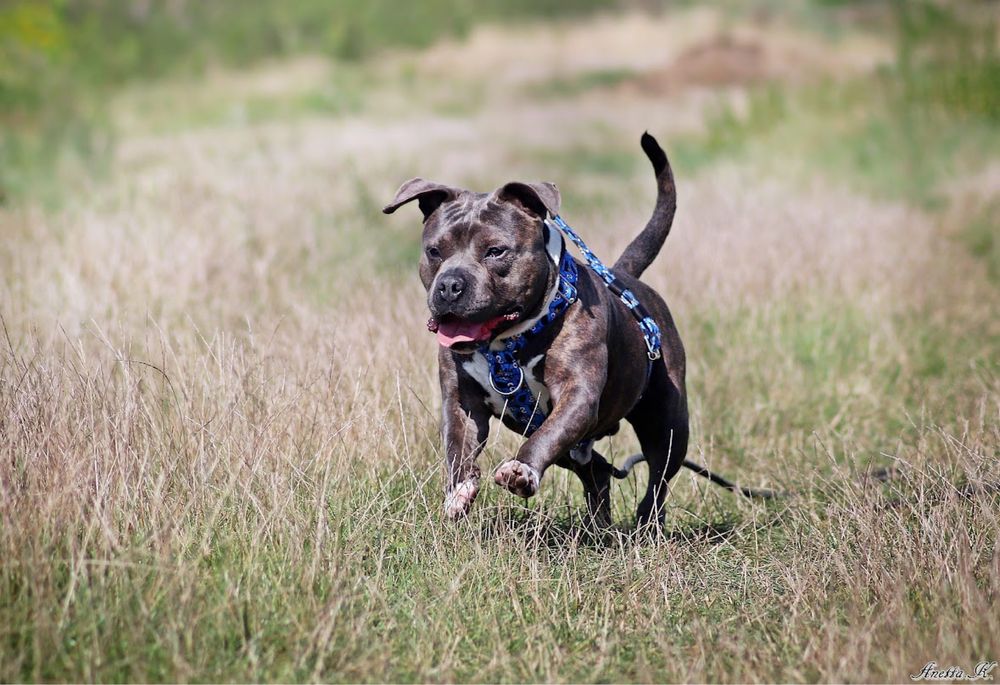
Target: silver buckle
(520,382)
(565,286)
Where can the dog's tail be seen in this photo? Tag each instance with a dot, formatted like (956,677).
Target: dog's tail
(752,493)
(641,252)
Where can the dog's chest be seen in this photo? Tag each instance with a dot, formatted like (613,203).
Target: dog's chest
(479,370)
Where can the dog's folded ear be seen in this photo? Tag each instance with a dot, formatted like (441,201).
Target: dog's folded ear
(428,194)
(535,198)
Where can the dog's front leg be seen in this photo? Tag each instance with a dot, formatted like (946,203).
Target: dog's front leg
(465,425)
(576,399)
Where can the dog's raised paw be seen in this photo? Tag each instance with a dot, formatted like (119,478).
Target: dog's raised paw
(518,477)
(458,502)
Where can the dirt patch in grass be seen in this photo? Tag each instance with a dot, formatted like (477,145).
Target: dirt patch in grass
(758,54)
(722,60)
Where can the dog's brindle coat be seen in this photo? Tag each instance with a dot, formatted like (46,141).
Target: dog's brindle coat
(485,258)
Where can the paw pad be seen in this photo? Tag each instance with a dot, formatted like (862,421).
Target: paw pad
(518,477)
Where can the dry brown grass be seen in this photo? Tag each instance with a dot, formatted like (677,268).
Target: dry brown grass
(218,409)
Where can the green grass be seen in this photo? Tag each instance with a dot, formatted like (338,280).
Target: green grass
(235,532)
(899,133)
(221,456)
(336,99)
(61,62)
(509,595)
(728,133)
(851,131)
(588,159)
(982,237)
(578,84)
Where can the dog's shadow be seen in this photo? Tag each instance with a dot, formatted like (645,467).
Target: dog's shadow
(564,528)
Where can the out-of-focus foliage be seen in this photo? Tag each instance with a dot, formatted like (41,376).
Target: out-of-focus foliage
(59,59)
(947,63)
(33,45)
(110,41)
(896,132)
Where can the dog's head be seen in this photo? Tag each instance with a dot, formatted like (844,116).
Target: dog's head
(484,264)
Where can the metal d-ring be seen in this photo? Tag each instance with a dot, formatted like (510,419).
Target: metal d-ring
(568,290)
(520,382)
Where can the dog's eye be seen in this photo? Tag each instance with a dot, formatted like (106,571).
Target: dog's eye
(497,251)
(433,253)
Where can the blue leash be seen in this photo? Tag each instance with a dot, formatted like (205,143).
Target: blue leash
(506,374)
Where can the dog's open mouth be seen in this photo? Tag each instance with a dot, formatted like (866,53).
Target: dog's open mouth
(464,334)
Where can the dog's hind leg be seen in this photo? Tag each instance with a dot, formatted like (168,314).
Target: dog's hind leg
(664,446)
(595,474)
(661,424)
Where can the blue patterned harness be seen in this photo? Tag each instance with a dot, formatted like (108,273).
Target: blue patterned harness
(506,374)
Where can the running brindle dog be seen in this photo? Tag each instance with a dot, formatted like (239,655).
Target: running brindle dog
(495,267)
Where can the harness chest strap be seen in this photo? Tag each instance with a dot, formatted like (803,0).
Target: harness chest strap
(505,373)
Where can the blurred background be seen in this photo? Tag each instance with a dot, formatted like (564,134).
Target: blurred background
(901,82)
(218,399)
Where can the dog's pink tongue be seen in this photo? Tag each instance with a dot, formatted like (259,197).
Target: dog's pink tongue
(456,331)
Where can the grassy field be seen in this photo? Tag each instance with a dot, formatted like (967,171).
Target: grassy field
(219,451)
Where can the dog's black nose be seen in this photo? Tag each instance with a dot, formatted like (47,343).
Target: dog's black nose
(450,286)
